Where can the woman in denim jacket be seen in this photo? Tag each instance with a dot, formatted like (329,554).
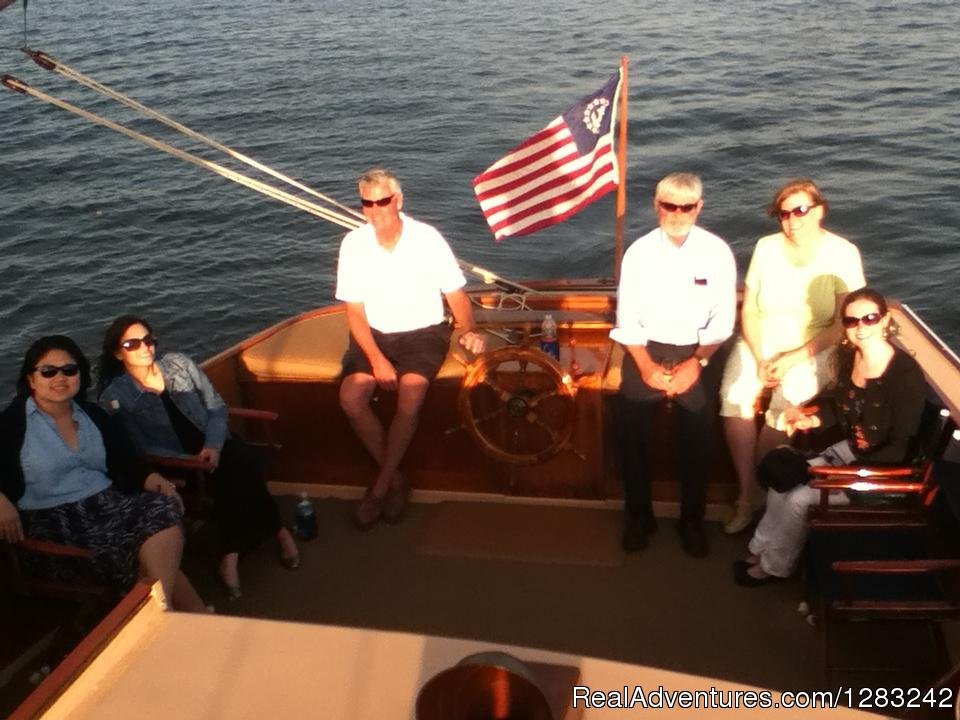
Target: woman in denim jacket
(169,407)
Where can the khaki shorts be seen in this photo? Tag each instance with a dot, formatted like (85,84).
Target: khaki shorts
(741,387)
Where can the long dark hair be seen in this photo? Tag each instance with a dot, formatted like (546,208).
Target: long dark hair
(40,348)
(108,367)
(865,293)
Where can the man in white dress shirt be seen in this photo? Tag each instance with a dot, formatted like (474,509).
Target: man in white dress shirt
(676,304)
(393,274)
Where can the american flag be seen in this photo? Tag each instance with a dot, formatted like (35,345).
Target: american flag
(556,172)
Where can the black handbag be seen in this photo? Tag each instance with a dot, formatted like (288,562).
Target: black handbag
(782,469)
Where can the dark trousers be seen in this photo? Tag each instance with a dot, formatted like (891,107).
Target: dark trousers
(246,512)
(635,410)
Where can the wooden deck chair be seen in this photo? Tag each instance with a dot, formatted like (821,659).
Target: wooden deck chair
(903,493)
(27,584)
(888,594)
(256,427)
(56,614)
(870,561)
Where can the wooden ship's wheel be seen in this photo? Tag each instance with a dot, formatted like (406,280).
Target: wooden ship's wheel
(518,404)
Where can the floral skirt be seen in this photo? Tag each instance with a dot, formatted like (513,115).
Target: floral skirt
(111,524)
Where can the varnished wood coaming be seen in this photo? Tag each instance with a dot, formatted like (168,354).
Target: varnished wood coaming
(319,448)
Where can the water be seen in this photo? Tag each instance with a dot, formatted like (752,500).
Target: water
(861,95)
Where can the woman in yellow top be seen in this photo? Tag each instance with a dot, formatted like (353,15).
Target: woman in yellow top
(795,284)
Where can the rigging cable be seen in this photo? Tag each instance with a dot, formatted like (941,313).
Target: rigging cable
(269,190)
(49,63)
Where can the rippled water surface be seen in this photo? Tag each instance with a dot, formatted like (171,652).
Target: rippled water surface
(860,95)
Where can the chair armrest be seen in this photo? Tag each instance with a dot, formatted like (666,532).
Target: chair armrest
(253,414)
(866,485)
(894,567)
(178,463)
(863,471)
(903,479)
(268,417)
(47,547)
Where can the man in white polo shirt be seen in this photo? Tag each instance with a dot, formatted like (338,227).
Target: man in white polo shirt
(676,304)
(393,274)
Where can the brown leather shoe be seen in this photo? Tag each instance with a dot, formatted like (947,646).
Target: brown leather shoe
(368,512)
(395,502)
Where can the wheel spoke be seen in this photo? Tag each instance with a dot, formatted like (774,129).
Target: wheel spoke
(533,419)
(490,415)
(502,394)
(537,399)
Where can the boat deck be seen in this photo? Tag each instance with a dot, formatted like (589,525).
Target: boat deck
(660,608)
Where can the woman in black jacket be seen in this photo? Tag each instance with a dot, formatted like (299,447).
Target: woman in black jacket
(879,395)
(68,474)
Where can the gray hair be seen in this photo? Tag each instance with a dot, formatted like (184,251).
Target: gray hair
(680,183)
(380,176)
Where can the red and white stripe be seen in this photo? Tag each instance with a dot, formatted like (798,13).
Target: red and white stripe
(543,181)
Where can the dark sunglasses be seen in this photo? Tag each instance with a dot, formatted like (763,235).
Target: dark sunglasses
(798,212)
(135,343)
(673,207)
(849,321)
(382,202)
(50,371)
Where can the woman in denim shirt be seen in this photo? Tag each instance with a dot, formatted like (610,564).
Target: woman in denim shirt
(169,407)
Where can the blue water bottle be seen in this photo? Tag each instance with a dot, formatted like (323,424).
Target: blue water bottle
(548,337)
(306,524)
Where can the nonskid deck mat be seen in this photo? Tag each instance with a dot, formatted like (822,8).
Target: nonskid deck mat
(525,533)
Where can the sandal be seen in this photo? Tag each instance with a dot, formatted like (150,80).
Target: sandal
(230,582)
(290,560)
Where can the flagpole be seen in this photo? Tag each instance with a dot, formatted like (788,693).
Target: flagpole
(621,204)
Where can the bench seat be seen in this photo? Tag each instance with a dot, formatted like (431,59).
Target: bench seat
(311,350)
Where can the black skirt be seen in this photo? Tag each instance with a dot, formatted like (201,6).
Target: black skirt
(245,510)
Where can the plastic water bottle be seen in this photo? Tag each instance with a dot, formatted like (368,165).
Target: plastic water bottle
(548,337)
(306,525)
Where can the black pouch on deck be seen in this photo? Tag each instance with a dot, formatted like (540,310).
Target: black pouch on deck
(782,469)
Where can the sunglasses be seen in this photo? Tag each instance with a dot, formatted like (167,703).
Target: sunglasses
(382,202)
(849,321)
(673,207)
(51,371)
(135,343)
(798,212)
